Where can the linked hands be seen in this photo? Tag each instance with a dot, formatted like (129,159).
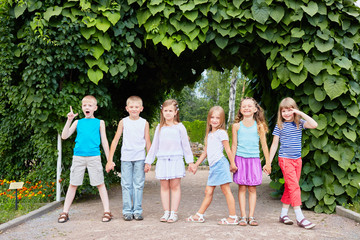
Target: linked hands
(267,169)
(233,168)
(109,166)
(192,168)
(147,167)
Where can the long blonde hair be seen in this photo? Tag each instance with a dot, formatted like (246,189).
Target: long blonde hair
(259,116)
(287,103)
(169,102)
(222,120)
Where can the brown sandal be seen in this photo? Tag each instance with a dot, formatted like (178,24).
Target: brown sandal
(107,217)
(64,217)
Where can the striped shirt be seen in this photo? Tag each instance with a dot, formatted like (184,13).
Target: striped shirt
(290,139)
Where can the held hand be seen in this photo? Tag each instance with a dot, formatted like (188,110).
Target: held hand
(109,166)
(267,169)
(71,114)
(233,168)
(147,167)
(192,168)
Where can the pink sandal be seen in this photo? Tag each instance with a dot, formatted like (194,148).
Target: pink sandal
(306,226)
(286,220)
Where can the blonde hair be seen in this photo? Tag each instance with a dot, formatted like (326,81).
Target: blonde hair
(169,102)
(222,120)
(134,99)
(259,116)
(287,103)
(90,98)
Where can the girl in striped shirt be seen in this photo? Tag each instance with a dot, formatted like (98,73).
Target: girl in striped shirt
(288,130)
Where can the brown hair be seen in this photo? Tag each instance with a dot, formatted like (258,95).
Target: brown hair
(169,102)
(259,115)
(287,103)
(134,99)
(222,120)
(90,98)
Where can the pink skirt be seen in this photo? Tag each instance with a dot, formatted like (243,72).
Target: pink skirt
(249,171)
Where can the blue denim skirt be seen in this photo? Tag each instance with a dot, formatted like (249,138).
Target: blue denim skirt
(219,173)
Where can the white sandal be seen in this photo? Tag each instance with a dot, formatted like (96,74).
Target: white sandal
(224,221)
(173,217)
(165,217)
(201,218)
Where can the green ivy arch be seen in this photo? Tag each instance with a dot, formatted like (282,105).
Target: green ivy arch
(306,49)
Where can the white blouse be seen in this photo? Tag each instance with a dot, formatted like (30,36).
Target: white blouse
(171,141)
(215,146)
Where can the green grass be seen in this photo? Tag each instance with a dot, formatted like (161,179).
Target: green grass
(8,212)
(354,207)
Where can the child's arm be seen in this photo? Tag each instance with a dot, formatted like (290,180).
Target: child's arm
(193,168)
(235,129)
(184,138)
(104,141)
(265,148)
(230,155)
(274,147)
(310,123)
(69,130)
(110,163)
(147,137)
(150,157)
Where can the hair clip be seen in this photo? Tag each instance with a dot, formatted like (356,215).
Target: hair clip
(161,107)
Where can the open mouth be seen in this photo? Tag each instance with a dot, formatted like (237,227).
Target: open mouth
(87,112)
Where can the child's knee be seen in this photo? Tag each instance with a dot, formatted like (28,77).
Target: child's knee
(252,189)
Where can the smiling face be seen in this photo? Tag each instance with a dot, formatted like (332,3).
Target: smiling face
(287,114)
(134,108)
(248,108)
(169,112)
(88,107)
(215,120)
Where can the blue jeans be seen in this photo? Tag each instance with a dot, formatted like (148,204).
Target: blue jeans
(132,184)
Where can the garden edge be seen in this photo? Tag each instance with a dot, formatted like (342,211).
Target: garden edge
(34,214)
(348,213)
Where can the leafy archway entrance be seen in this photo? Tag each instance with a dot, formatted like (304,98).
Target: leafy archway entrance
(306,49)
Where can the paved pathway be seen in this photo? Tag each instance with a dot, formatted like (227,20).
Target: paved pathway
(85,216)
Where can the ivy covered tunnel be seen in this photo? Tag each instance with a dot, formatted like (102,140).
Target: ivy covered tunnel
(53,53)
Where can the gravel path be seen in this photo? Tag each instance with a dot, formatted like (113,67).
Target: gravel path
(85,218)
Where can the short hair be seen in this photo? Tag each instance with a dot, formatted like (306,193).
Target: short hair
(134,99)
(90,98)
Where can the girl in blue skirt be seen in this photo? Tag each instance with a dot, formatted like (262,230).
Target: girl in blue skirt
(215,141)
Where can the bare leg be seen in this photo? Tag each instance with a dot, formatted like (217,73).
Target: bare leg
(70,195)
(242,200)
(165,194)
(104,197)
(209,192)
(175,193)
(225,188)
(252,200)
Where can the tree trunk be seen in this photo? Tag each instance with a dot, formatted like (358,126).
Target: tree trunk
(232,98)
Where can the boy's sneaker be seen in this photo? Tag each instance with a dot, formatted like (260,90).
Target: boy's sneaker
(138,217)
(128,217)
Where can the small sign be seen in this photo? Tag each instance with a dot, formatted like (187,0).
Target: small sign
(16,185)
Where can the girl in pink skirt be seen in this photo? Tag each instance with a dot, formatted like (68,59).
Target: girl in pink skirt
(248,130)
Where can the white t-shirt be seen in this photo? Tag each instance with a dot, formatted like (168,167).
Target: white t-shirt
(215,146)
(133,143)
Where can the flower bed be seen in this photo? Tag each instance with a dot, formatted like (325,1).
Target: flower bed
(30,197)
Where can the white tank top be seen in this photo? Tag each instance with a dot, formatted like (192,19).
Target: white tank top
(133,143)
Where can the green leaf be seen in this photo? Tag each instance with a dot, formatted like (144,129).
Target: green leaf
(353,110)
(324,46)
(307,46)
(260,11)
(297,33)
(192,15)
(95,75)
(311,202)
(319,94)
(335,86)
(338,189)
(321,120)
(87,32)
(178,47)
(349,134)
(318,181)
(314,67)
(351,191)
(143,16)
(320,158)
(277,13)
(167,41)
(52,11)
(319,193)
(19,9)
(97,50)
(328,200)
(102,24)
(105,41)
(314,104)
(320,142)
(293,58)
(311,9)
(343,62)
(221,42)
(283,73)
(297,79)
(340,117)
(187,6)
(112,17)
(305,186)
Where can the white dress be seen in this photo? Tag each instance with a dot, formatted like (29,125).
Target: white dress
(170,145)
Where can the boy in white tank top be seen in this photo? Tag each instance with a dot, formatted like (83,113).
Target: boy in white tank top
(136,137)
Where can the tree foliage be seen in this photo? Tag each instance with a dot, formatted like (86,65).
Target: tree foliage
(51,53)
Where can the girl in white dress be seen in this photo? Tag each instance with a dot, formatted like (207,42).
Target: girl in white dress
(216,140)
(170,146)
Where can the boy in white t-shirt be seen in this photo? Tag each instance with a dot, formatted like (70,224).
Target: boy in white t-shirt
(135,138)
